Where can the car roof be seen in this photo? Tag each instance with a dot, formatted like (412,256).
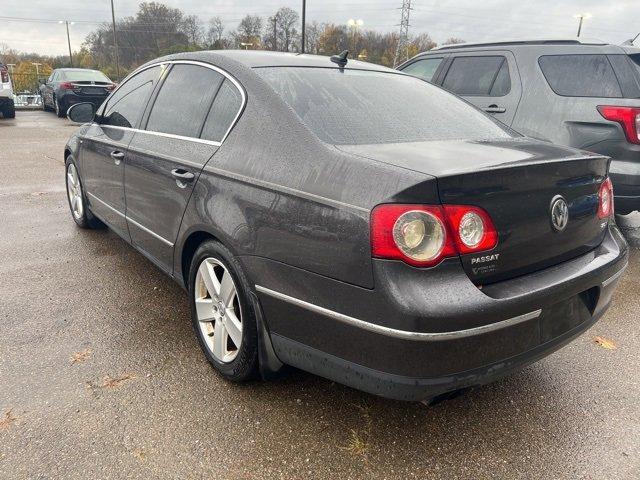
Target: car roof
(69,69)
(265,58)
(522,42)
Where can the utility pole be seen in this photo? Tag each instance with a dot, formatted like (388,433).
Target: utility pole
(403,39)
(304,20)
(115,40)
(581,17)
(66,22)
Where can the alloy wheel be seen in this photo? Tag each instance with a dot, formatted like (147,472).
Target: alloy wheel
(74,191)
(218,310)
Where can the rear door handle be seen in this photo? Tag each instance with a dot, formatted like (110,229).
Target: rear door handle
(182,175)
(495,109)
(117,156)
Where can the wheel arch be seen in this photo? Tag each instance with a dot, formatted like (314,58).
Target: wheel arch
(189,247)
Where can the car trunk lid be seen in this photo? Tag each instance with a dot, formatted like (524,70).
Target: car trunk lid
(516,182)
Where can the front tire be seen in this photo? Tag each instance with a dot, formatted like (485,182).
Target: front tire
(9,112)
(222,313)
(77,201)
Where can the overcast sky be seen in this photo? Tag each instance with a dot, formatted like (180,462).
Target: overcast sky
(472,20)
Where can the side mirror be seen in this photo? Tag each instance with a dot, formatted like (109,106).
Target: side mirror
(81,112)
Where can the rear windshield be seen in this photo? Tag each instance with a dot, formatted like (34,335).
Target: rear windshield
(84,76)
(352,107)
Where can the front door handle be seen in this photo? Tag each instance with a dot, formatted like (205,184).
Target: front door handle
(182,175)
(117,156)
(495,109)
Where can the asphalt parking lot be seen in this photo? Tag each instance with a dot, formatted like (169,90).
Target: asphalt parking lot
(101,375)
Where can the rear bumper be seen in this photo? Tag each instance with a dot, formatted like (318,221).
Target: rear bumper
(71,98)
(422,333)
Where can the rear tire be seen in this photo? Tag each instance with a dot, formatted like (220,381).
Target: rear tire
(9,112)
(211,262)
(80,211)
(59,111)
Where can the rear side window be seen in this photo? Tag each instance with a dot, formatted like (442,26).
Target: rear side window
(580,75)
(424,69)
(124,108)
(184,100)
(351,107)
(224,110)
(486,76)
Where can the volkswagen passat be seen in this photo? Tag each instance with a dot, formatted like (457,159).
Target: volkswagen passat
(347,219)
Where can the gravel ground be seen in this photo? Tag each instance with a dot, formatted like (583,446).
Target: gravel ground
(101,375)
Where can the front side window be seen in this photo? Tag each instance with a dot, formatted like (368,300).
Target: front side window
(424,68)
(126,105)
(482,76)
(345,107)
(580,75)
(223,112)
(184,100)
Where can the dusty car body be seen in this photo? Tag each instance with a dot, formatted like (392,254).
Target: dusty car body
(283,221)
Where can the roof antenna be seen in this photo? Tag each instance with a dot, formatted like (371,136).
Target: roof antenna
(340,59)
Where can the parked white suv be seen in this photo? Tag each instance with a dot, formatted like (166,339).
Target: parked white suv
(6,93)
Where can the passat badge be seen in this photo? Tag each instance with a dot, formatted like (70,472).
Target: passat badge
(559,213)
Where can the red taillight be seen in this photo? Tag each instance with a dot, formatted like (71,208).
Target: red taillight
(4,74)
(605,199)
(66,86)
(628,117)
(423,235)
(110,87)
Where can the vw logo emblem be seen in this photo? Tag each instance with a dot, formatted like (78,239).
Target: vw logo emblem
(559,213)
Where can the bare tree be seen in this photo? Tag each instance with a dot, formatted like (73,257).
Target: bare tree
(192,27)
(248,32)
(453,41)
(215,34)
(281,31)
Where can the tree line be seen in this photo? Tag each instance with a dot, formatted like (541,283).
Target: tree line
(157,29)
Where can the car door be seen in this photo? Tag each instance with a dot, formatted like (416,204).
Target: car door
(165,159)
(489,80)
(47,89)
(104,147)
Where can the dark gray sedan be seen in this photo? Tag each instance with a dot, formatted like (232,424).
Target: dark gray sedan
(349,220)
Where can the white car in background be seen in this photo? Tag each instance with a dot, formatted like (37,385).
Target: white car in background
(7,106)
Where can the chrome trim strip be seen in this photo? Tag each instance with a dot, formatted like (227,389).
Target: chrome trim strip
(180,137)
(150,232)
(614,277)
(107,205)
(395,333)
(128,219)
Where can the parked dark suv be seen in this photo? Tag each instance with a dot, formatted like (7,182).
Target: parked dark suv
(580,93)
(68,86)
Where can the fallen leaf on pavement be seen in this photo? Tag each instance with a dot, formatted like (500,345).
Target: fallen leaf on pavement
(80,356)
(604,343)
(114,382)
(7,420)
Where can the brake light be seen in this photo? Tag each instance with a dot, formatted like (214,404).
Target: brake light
(4,74)
(67,86)
(110,87)
(423,235)
(605,196)
(628,117)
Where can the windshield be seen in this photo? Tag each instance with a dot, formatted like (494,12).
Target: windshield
(352,107)
(84,76)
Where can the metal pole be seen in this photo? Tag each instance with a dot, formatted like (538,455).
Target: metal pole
(115,41)
(304,19)
(66,22)
(580,24)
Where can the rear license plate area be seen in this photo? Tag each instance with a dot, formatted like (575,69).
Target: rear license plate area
(92,90)
(568,314)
